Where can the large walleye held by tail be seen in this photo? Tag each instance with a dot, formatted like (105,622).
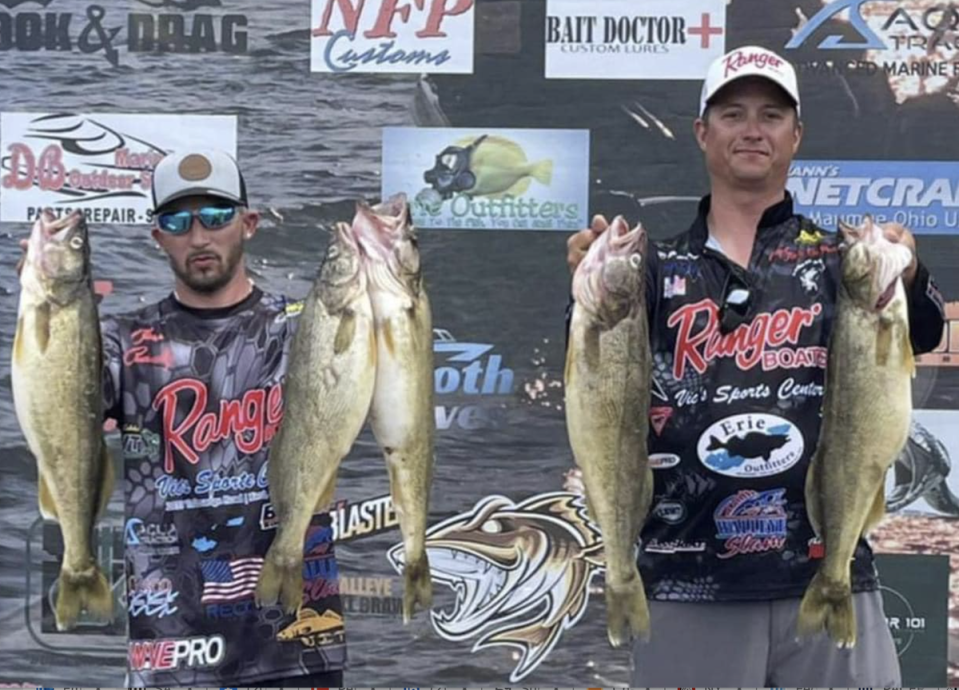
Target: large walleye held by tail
(607,402)
(57,367)
(328,389)
(866,414)
(402,414)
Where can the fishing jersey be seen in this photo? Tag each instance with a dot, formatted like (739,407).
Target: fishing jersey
(734,418)
(198,397)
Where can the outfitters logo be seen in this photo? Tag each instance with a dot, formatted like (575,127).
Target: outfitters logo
(699,341)
(252,420)
(520,572)
(751,445)
(95,32)
(174,654)
(751,522)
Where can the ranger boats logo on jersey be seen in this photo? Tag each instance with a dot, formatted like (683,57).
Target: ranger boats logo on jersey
(764,340)
(520,571)
(751,445)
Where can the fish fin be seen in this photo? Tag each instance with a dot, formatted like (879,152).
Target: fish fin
(83,591)
(107,479)
(828,604)
(907,354)
(280,581)
(345,333)
(878,510)
(883,344)
(42,325)
(18,342)
(385,330)
(627,612)
(48,507)
(417,587)
(542,172)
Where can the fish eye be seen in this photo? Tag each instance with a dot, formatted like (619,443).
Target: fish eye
(492,527)
(636,260)
(76,242)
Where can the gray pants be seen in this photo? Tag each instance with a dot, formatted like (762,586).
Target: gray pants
(753,644)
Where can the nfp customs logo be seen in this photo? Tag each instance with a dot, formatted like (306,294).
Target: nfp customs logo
(653,39)
(751,445)
(424,36)
(490,179)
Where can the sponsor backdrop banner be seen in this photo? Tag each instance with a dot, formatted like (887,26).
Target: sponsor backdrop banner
(505,179)
(619,39)
(491,115)
(101,164)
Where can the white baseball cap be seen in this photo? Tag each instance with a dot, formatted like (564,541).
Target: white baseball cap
(196,172)
(749,61)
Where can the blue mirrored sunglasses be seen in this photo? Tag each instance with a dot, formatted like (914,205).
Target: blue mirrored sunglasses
(210,217)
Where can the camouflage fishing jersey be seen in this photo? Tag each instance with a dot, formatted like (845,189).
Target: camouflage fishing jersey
(198,396)
(735,418)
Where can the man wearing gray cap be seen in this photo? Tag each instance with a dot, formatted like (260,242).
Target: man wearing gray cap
(195,383)
(740,309)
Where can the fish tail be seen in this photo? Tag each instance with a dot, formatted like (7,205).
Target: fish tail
(418,587)
(828,604)
(280,579)
(627,612)
(543,171)
(715,443)
(86,590)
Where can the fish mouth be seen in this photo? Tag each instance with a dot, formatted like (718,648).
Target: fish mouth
(377,228)
(885,297)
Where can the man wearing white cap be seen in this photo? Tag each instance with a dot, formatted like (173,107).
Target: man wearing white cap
(740,308)
(195,383)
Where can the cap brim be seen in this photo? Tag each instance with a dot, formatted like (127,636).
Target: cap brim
(712,97)
(200,191)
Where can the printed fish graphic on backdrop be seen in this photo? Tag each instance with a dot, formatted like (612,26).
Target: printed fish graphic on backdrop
(478,555)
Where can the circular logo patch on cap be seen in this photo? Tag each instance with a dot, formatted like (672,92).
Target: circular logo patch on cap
(195,167)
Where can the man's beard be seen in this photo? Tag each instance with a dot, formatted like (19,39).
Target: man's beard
(211,281)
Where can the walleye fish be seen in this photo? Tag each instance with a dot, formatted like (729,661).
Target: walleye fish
(402,415)
(866,413)
(56,372)
(607,402)
(329,386)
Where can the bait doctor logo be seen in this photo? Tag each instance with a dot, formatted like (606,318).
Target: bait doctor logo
(654,39)
(751,445)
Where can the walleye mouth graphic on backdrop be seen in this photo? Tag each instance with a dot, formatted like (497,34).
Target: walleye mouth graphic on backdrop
(520,571)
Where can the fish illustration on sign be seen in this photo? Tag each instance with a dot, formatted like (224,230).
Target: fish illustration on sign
(478,555)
